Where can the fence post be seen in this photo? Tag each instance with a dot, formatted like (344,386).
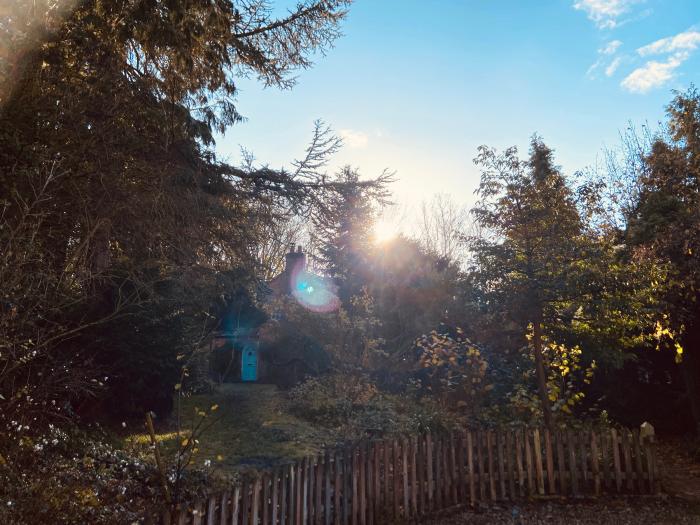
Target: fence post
(594,463)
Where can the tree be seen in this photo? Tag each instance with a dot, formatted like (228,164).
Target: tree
(664,226)
(442,226)
(116,215)
(342,229)
(524,262)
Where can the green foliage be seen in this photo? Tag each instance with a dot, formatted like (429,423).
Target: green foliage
(115,230)
(664,228)
(354,406)
(454,370)
(342,227)
(69,477)
(567,378)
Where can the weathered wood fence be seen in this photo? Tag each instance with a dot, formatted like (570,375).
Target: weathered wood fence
(395,480)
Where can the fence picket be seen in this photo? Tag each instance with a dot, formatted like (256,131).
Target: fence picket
(501,463)
(616,459)
(429,457)
(571,440)
(256,502)
(605,471)
(438,473)
(336,488)
(489,455)
(538,461)
(420,466)
(299,500)
(595,463)
(550,461)
(400,479)
(414,480)
(561,462)
(362,485)
(628,459)
(197,513)
(639,470)
(376,498)
(480,462)
(284,480)
(265,499)
(647,444)
(354,478)
(396,477)
(528,463)
(519,463)
(510,465)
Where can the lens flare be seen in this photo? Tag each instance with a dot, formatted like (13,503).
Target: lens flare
(314,293)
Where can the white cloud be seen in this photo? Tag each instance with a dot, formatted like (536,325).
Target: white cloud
(612,67)
(605,13)
(610,48)
(605,54)
(685,41)
(354,139)
(653,74)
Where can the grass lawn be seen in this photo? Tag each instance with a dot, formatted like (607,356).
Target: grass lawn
(251,429)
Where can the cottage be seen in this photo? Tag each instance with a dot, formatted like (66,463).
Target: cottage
(237,352)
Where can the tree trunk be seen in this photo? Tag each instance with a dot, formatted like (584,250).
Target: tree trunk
(541,373)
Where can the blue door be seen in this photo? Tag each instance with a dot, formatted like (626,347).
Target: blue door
(249,363)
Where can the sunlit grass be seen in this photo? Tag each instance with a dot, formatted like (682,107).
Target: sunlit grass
(250,429)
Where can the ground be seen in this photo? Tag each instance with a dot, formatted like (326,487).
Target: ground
(608,511)
(680,503)
(250,429)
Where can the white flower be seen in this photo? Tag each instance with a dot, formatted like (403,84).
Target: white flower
(207,462)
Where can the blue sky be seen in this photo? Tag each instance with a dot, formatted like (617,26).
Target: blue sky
(417,86)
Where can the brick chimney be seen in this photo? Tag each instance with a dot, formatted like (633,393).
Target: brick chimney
(295,261)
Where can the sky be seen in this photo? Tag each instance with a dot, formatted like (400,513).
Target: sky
(415,87)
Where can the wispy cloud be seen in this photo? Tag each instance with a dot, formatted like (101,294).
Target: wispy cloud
(685,41)
(605,13)
(656,73)
(610,48)
(612,67)
(605,54)
(354,139)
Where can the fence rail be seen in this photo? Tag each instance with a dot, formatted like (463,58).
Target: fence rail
(399,479)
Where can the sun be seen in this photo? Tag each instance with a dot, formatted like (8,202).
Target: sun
(384,231)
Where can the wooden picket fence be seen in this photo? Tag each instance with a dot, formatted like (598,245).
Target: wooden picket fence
(401,479)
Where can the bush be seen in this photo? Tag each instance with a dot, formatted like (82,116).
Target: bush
(354,406)
(64,477)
